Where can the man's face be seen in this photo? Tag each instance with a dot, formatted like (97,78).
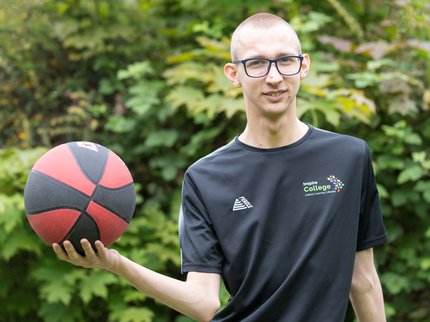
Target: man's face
(274,93)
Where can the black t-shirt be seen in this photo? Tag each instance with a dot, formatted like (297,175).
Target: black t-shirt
(282,225)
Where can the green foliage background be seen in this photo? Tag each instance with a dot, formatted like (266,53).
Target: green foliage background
(144,78)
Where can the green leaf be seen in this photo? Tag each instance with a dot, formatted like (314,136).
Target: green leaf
(328,108)
(18,241)
(186,96)
(420,314)
(218,83)
(136,71)
(185,72)
(377,64)
(400,197)
(364,79)
(424,187)
(58,312)
(390,162)
(411,173)
(383,193)
(132,314)
(120,124)
(133,295)
(95,284)
(199,140)
(160,138)
(51,268)
(413,138)
(56,291)
(11,211)
(57,280)
(315,83)
(169,164)
(421,158)
(425,264)
(395,283)
(144,95)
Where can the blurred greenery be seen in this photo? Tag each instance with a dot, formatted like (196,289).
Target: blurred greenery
(144,78)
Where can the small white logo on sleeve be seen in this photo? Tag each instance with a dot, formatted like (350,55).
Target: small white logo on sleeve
(241,203)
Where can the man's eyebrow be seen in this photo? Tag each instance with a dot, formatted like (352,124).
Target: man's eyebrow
(283,54)
(288,53)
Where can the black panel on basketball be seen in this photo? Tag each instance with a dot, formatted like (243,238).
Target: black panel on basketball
(85,227)
(117,200)
(59,196)
(92,159)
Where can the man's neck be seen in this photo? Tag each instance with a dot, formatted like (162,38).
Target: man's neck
(266,134)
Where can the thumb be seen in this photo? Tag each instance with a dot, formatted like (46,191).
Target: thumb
(109,258)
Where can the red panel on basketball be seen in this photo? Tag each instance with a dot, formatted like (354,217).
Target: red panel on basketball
(52,226)
(122,177)
(79,190)
(60,164)
(110,225)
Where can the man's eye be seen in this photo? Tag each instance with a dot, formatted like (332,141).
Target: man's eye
(287,60)
(257,63)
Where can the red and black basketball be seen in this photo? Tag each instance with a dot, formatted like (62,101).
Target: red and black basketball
(79,190)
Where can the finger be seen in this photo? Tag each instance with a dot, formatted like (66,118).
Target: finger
(109,257)
(71,251)
(60,252)
(88,249)
(101,250)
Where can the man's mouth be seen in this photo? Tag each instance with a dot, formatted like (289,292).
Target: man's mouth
(274,93)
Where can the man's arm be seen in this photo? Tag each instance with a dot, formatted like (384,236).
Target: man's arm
(197,297)
(366,291)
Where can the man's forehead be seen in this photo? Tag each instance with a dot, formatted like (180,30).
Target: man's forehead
(247,28)
(251,38)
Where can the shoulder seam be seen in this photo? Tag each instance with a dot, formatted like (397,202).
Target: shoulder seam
(213,153)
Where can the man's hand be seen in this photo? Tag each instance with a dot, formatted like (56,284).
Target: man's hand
(104,258)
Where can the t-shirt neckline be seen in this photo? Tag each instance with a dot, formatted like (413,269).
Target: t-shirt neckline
(281,148)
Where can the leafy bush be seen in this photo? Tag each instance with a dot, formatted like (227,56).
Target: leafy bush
(144,78)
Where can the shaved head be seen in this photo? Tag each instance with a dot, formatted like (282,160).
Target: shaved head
(261,21)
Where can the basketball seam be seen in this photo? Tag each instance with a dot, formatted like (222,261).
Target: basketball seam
(118,188)
(83,169)
(40,212)
(70,231)
(66,186)
(112,211)
(61,182)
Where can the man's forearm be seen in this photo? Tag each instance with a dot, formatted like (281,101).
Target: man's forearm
(190,298)
(368,301)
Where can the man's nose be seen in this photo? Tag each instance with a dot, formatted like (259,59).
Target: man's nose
(273,76)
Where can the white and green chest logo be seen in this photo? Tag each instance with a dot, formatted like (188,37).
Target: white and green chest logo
(332,185)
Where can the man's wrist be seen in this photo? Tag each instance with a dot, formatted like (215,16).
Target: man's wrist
(115,262)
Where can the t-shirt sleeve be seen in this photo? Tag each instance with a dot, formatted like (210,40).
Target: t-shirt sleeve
(371,230)
(200,250)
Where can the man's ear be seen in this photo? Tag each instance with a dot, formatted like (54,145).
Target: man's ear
(230,71)
(306,64)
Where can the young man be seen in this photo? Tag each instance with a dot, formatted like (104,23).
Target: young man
(286,213)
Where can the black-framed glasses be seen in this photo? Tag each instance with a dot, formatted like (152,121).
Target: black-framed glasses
(260,67)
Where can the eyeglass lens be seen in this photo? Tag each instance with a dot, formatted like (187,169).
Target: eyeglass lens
(259,67)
